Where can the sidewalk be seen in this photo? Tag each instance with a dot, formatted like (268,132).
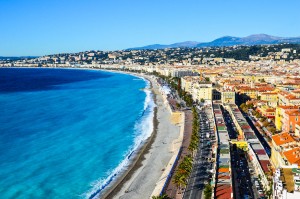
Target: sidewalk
(168,170)
(171,189)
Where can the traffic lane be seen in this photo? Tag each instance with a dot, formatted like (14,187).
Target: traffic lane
(245,184)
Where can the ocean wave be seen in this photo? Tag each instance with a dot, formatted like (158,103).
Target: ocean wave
(143,130)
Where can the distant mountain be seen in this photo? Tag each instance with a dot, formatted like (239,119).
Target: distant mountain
(257,39)
(17,58)
(188,44)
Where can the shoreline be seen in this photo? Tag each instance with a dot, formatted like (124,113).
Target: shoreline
(134,165)
(119,186)
(146,174)
(136,156)
(139,154)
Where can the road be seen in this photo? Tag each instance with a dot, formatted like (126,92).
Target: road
(260,137)
(240,167)
(201,174)
(242,177)
(229,124)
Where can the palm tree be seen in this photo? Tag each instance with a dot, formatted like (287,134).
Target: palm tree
(207,191)
(164,196)
(193,146)
(179,180)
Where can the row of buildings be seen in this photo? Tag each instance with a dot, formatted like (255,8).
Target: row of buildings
(229,55)
(267,81)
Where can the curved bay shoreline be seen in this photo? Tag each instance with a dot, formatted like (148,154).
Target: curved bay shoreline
(150,160)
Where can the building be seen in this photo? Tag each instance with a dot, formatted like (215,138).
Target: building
(282,143)
(270,97)
(202,91)
(281,118)
(228,97)
(286,183)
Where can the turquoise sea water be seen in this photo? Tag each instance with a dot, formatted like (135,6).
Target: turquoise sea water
(68,133)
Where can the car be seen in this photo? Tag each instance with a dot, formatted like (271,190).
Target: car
(246,196)
(260,192)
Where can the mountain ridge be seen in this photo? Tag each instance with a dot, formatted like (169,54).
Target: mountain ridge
(254,39)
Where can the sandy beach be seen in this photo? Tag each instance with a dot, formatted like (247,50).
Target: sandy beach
(140,179)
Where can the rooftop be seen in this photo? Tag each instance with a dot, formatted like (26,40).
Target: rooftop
(293,155)
(223,191)
(288,178)
(282,138)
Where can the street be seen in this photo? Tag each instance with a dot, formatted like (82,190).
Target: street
(202,166)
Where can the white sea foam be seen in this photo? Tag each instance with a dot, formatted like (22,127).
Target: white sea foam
(143,130)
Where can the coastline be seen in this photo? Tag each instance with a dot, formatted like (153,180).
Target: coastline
(145,171)
(158,147)
(138,155)
(135,164)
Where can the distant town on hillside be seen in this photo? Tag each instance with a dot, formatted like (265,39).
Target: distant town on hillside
(168,56)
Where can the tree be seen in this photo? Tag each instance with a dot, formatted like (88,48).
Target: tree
(259,97)
(243,105)
(207,191)
(272,129)
(263,119)
(179,180)
(265,123)
(164,196)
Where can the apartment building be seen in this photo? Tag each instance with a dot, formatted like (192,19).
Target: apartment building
(286,117)
(284,150)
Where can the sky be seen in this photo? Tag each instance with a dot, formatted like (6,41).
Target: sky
(42,27)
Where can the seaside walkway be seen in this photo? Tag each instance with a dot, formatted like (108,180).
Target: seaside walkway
(171,189)
(178,119)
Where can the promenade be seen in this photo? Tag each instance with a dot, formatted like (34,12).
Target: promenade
(171,189)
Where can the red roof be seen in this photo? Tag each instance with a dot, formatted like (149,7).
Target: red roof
(223,191)
(264,164)
(246,127)
(260,152)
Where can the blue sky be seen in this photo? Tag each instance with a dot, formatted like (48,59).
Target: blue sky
(40,27)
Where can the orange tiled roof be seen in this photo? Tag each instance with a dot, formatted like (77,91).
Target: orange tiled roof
(247,89)
(270,110)
(288,107)
(223,170)
(293,155)
(290,96)
(294,112)
(265,88)
(282,138)
(270,93)
(284,93)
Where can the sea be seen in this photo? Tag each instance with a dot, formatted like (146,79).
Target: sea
(69,133)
